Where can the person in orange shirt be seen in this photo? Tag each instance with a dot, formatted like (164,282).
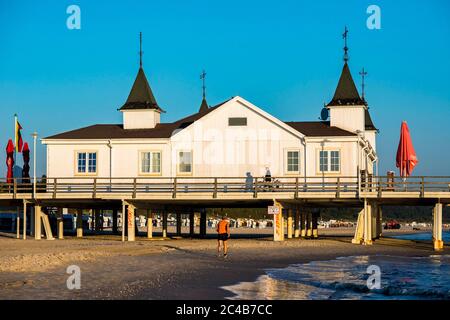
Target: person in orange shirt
(223,231)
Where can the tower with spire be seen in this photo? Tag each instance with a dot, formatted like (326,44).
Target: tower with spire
(141,110)
(348,110)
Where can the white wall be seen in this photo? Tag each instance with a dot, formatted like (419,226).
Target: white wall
(124,159)
(141,119)
(348,153)
(231,151)
(218,149)
(350,118)
(371,136)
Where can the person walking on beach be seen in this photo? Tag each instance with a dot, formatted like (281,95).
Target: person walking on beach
(223,231)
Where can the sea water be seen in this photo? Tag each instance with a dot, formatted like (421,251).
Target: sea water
(346,278)
(422,236)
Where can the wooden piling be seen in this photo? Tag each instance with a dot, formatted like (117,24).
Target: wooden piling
(297,223)
(149,224)
(37,223)
(79,223)
(289,223)
(164,224)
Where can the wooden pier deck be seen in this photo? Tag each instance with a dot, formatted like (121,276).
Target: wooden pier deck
(222,190)
(186,194)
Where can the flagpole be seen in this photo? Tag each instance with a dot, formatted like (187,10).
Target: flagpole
(34,163)
(15,140)
(14,178)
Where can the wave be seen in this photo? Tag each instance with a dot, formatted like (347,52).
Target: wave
(346,278)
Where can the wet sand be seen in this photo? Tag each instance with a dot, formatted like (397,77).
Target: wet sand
(168,269)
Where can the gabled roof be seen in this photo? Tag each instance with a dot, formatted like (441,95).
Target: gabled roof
(346,92)
(141,95)
(319,129)
(116,131)
(167,130)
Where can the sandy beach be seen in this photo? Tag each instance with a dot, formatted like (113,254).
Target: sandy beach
(180,268)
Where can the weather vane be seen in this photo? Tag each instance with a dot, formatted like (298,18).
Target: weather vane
(140,49)
(345,36)
(363,74)
(203,78)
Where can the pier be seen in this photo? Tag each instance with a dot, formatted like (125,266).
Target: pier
(295,196)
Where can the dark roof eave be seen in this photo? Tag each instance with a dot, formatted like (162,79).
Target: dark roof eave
(319,129)
(140,106)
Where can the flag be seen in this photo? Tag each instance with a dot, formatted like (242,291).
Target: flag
(19,141)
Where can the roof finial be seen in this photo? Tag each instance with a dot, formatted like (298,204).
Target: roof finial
(345,36)
(140,49)
(203,78)
(363,74)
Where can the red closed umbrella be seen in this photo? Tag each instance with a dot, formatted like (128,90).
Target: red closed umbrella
(9,161)
(406,156)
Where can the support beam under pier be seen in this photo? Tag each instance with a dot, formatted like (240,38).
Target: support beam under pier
(131,223)
(25,220)
(79,223)
(203,223)
(60,224)
(379,222)
(289,223)
(114,222)
(37,222)
(18,222)
(296,223)
(437,227)
(303,224)
(191,224)
(308,224)
(178,224)
(367,223)
(164,223)
(149,224)
(315,225)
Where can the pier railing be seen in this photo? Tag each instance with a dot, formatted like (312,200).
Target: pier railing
(219,185)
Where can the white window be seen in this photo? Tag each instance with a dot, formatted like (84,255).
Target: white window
(329,161)
(185,162)
(151,162)
(293,161)
(87,162)
(335,161)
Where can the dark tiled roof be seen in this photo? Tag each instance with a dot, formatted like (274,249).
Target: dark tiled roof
(346,92)
(368,121)
(116,131)
(319,129)
(141,95)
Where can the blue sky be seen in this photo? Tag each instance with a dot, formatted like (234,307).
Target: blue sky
(283,56)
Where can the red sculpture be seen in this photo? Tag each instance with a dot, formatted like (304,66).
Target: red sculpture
(10,161)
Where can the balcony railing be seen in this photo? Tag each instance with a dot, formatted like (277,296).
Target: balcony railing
(220,185)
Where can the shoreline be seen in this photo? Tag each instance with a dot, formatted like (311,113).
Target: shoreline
(167,269)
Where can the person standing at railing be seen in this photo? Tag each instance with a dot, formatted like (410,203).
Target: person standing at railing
(268,177)
(249,182)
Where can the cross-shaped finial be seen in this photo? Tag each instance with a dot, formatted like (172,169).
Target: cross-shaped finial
(140,49)
(345,37)
(203,78)
(363,74)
